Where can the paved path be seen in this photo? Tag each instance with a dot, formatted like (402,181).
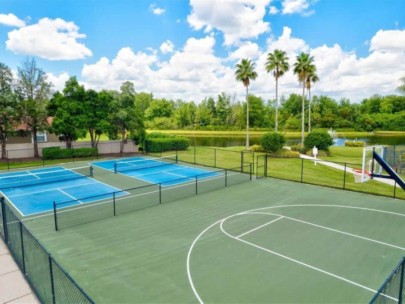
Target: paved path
(348,169)
(13,286)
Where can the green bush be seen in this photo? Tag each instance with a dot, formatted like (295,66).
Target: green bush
(256,148)
(61,153)
(272,141)
(285,153)
(354,144)
(320,139)
(166,144)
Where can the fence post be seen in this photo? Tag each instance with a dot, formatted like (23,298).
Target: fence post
(265,164)
(226,177)
(251,170)
(160,193)
(401,282)
(302,170)
(395,189)
(194,152)
(3,212)
(344,177)
(114,203)
(215,157)
(52,282)
(241,161)
(8,161)
(22,247)
(196,185)
(55,218)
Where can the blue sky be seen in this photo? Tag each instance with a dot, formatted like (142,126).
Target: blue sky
(188,49)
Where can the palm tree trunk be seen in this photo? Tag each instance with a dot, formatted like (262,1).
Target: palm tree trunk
(309,110)
(276,128)
(303,114)
(247,119)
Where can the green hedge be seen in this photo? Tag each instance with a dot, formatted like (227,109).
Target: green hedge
(60,153)
(354,144)
(166,144)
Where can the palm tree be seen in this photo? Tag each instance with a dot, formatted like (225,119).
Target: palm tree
(311,78)
(245,71)
(302,68)
(277,62)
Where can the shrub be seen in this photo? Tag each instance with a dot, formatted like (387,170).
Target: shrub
(285,153)
(61,153)
(354,143)
(272,141)
(320,139)
(256,148)
(165,143)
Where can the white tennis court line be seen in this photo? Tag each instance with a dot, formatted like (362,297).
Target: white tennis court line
(259,227)
(33,174)
(51,189)
(297,261)
(334,230)
(67,194)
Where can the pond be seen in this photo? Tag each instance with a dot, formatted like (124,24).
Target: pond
(229,141)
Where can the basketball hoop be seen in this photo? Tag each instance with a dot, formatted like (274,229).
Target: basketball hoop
(361,176)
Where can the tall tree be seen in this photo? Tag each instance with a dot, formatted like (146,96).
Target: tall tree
(8,106)
(67,109)
(123,117)
(33,91)
(245,71)
(311,78)
(302,66)
(96,109)
(277,62)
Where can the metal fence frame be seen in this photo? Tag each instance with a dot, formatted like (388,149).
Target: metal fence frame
(393,289)
(36,262)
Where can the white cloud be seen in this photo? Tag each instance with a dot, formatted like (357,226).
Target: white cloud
(58,81)
(297,7)
(195,71)
(247,50)
(273,10)
(236,19)
(156,10)
(11,20)
(52,39)
(167,47)
(390,40)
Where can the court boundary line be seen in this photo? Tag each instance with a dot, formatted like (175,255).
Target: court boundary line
(259,227)
(67,194)
(199,236)
(334,230)
(295,261)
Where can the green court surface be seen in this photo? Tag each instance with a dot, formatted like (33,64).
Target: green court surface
(266,240)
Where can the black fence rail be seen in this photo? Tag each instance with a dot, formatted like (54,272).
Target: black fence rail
(50,282)
(72,213)
(393,289)
(324,173)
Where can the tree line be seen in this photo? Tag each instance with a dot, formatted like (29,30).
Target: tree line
(125,114)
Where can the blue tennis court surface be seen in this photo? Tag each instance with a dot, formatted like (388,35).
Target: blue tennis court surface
(163,171)
(34,191)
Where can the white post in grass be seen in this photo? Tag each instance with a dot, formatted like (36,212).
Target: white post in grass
(315,152)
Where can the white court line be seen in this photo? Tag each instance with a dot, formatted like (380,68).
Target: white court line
(74,198)
(296,261)
(334,230)
(34,174)
(51,189)
(259,227)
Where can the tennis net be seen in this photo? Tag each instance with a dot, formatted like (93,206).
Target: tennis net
(143,163)
(43,176)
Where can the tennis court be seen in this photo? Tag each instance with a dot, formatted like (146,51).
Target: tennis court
(268,241)
(35,191)
(164,170)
